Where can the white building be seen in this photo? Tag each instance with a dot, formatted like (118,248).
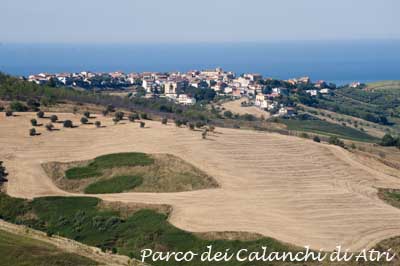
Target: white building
(186,100)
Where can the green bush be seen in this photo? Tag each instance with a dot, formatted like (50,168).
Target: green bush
(33,122)
(142,124)
(17,106)
(40,114)
(53,118)
(68,124)
(97,124)
(87,114)
(84,120)
(32,132)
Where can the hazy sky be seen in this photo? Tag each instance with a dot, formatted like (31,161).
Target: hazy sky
(120,21)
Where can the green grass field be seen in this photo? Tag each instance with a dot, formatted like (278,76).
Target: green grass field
(116,184)
(22,251)
(329,129)
(100,163)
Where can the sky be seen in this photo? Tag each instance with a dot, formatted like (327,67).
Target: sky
(180,21)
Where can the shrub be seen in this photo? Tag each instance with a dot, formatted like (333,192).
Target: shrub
(17,106)
(97,124)
(116,120)
(84,120)
(178,122)
(200,124)
(144,116)
(132,117)
(336,141)
(40,114)
(164,121)
(119,115)
(87,114)
(191,126)
(33,122)
(316,139)
(228,114)
(304,135)
(49,126)
(53,118)
(9,113)
(142,124)
(32,132)
(68,124)
(388,140)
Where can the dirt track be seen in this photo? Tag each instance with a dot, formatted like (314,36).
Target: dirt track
(288,188)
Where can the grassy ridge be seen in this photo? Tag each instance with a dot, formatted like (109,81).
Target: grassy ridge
(80,218)
(100,163)
(22,251)
(330,129)
(386,84)
(116,184)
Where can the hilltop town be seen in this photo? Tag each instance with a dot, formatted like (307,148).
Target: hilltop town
(193,86)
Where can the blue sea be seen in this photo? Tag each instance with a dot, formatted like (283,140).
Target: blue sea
(334,61)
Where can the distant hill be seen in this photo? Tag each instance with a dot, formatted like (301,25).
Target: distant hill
(386,84)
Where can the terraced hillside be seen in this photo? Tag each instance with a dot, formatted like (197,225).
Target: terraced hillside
(287,188)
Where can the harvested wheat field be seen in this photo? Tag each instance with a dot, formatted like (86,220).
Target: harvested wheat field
(288,188)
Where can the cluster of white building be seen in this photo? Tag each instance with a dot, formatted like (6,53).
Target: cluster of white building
(174,84)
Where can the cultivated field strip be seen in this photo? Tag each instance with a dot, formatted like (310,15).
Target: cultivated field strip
(288,188)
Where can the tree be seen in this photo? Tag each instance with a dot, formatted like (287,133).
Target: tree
(178,122)
(200,124)
(211,128)
(144,116)
(119,115)
(49,126)
(336,141)
(53,118)
(3,173)
(32,132)
(97,124)
(191,126)
(142,124)
(40,114)
(132,117)
(228,114)
(388,140)
(84,120)
(34,122)
(116,120)
(17,106)
(164,121)
(87,114)
(68,124)
(316,139)
(9,113)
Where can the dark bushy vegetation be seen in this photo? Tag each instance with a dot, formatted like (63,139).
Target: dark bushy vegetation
(390,141)
(68,124)
(80,218)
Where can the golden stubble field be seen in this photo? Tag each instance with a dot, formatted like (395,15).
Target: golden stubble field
(287,188)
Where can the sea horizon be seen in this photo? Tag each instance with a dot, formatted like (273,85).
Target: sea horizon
(340,62)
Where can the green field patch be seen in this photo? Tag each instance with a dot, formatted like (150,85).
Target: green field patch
(129,172)
(100,163)
(326,128)
(116,184)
